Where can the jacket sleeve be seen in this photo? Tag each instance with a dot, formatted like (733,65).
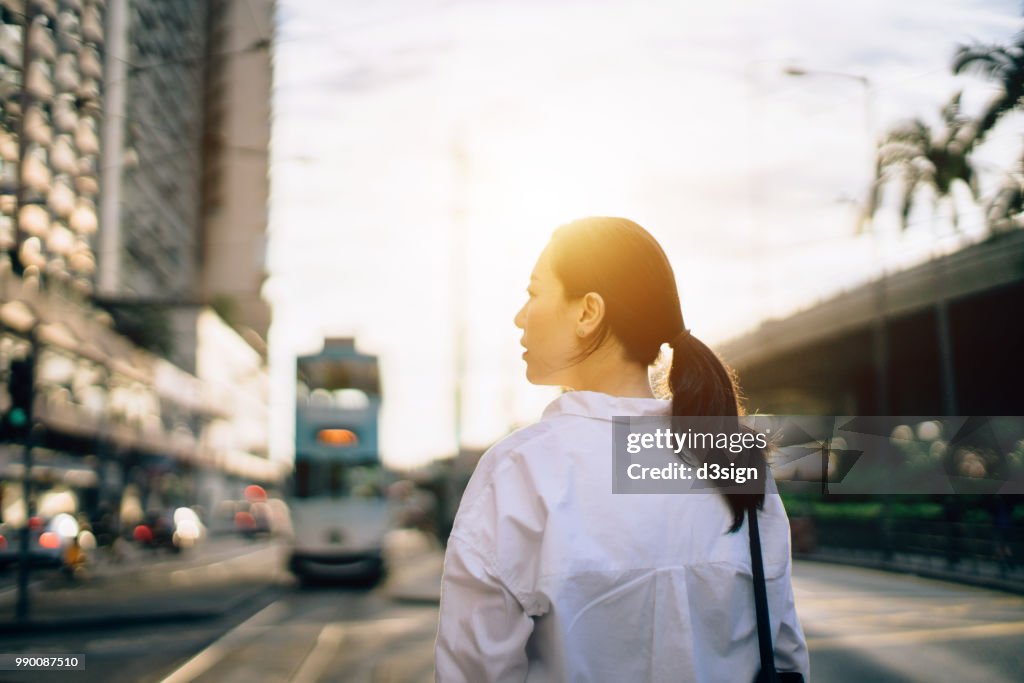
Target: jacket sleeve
(790,646)
(789,643)
(483,628)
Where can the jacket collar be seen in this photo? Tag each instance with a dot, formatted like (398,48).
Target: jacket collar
(600,406)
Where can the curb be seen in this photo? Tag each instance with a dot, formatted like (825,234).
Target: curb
(992,583)
(116,621)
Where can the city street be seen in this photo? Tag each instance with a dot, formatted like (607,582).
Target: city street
(148,611)
(866,625)
(860,624)
(284,282)
(145,618)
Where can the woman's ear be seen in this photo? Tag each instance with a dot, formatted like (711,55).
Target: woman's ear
(590,315)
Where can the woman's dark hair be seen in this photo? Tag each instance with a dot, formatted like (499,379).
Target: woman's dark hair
(622,262)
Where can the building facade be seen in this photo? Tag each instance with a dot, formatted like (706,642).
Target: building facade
(236,181)
(81,225)
(185,183)
(152,181)
(50,83)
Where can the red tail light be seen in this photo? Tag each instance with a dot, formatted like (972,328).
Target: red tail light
(255,493)
(49,540)
(244,521)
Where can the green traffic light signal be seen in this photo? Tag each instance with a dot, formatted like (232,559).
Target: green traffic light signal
(20,387)
(17,418)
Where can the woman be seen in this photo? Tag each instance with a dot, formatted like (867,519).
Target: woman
(548,575)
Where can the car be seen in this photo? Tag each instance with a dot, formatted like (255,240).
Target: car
(172,530)
(50,542)
(253,519)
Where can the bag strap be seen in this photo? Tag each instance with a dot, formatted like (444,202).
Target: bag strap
(764,636)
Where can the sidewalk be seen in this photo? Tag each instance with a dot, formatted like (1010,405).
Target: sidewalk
(145,589)
(969,572)
(417,563)
(95,607)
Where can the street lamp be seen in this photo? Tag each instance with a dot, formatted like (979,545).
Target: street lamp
(869,124)
(800,71)
(880,337)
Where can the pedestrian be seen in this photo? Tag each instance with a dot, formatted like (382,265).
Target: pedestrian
(548,575)
(73,565)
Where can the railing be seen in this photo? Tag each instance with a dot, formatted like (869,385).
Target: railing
(978,550)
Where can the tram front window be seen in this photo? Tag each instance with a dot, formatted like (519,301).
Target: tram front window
(321,479)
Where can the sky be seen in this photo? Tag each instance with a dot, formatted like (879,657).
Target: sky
(423,152)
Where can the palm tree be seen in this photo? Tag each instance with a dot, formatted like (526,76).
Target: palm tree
(1005,210)
(1003,64)
(925,158)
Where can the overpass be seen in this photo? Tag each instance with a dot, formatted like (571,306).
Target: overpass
(941,338)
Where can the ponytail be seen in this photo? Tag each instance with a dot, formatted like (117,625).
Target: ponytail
(622,262)
(702,385)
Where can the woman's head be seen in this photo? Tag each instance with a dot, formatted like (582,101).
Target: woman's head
(624,265)
(603,299)
(601,290)
(551,322)
(604,286)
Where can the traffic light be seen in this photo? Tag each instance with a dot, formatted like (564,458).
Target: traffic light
(20,386)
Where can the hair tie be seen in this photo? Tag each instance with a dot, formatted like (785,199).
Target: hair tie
(679,338)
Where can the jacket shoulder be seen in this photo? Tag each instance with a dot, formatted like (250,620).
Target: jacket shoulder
(508,450)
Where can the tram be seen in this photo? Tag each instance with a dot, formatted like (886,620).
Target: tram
(338,499)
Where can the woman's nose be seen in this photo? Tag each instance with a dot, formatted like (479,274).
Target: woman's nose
(520,319)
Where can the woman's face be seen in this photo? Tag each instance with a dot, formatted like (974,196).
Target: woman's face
(548,322)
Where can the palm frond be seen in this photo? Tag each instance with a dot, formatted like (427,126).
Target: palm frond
(987,60)
(994,110)
(972,182)
(873,201)
(1003,64)
(906,142)
(951,110)
(1006,208)
(911,183)
(896,155)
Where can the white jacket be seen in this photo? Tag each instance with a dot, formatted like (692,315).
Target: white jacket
(548,576)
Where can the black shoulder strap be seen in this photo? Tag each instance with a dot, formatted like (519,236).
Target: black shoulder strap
(764,635)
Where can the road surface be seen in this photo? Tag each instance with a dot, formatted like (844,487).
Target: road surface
(861,625)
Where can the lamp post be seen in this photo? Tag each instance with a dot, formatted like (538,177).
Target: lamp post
(14,315)
(461,164)
(22,386)
(864,81)
(880,336)
(20,319)
(869,123)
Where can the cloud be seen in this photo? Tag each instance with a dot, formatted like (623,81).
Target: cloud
(676,114)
